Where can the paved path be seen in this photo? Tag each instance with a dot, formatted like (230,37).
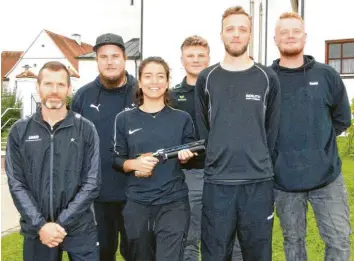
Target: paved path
(9,215)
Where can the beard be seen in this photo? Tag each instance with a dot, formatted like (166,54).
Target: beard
(290,53)
(237,52)
(113,81)
(53,105)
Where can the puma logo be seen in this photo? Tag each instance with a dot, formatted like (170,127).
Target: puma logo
(96,107)
(271,216)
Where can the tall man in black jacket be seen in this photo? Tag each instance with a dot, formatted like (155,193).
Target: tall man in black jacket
(53,168)
(315,109)
(237,111)
(100,101)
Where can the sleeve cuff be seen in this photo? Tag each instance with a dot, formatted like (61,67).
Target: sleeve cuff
(118,164)
(41,224)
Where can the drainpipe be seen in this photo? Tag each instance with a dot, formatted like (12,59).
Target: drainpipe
(260,41)
(141,27)
(266,34)
(252,28)
(303,9)
(136,68)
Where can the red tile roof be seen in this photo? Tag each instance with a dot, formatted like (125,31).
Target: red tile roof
(26,74)
(8,60)
(70,47)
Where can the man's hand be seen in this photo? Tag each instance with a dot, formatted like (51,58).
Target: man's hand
(52,234)
(185,155)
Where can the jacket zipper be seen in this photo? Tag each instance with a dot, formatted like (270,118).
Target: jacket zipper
(51,210)
(51,177)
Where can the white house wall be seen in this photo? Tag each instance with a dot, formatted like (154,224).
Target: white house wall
(26,88)
(164,38)
(88,72)
(130,67)
(20,68)
(349,84)
(43,47)
(36,56)
(327,21)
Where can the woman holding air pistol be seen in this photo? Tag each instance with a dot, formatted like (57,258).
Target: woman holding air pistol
(157,212)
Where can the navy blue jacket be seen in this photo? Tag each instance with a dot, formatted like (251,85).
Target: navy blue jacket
(314,110)
(54,176)
(100,105)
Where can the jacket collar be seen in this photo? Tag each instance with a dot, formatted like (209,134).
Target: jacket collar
(68,120)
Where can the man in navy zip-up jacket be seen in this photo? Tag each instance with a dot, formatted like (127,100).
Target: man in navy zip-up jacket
(100,101)
(314,110)
(53,168)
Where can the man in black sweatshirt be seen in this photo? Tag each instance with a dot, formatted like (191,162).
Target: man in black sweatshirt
(195,58)
(237,111)
(100,101)
(315,109)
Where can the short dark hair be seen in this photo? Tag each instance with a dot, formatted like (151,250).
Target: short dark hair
(139,96)
(54,67)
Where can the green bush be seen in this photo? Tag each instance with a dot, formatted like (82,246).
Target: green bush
(9,100)
(349,140)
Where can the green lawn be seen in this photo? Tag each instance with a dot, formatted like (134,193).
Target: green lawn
(11,247)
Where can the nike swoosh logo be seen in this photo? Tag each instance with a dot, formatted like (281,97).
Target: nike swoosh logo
(132,131)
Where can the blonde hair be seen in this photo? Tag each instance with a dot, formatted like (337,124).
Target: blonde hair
(288,15)
(195,40)
(235,10)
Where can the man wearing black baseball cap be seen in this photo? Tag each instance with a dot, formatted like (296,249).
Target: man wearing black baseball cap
(109,39)
(100,101)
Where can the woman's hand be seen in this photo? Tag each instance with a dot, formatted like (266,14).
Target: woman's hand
(140,174)
(144,165)
(185,155)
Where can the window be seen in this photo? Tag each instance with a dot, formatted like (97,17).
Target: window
(340,55)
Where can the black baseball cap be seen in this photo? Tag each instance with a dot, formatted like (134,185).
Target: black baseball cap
(105,39)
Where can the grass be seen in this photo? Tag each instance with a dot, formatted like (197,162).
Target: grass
(11,247)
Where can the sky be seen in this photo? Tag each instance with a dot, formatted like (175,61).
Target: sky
(22,20)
